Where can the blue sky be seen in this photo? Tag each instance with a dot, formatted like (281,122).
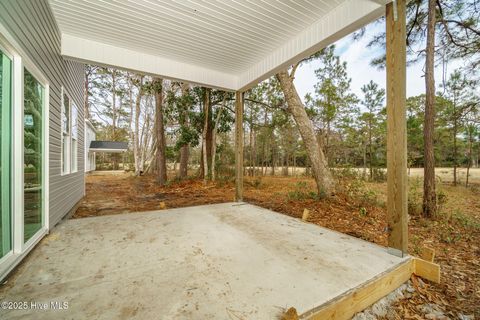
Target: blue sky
(358,57)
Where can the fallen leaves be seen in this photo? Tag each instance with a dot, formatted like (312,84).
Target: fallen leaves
(455,238)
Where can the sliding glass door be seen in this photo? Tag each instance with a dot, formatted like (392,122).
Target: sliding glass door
(33,155)
(5,153)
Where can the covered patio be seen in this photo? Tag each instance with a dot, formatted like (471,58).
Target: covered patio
(233,260)
(224,261)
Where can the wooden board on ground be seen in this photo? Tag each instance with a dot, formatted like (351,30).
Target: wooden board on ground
(427,254)
(357,299)
(427,270)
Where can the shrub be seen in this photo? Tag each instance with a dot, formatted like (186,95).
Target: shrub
(301,192)
(379,175)
(415,203)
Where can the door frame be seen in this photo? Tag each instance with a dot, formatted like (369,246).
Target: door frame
(19,62)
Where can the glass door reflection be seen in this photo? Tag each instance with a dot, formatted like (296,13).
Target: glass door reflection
(33,155)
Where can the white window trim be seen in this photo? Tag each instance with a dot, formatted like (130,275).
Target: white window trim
(20,61)
(73,169)
(68,157)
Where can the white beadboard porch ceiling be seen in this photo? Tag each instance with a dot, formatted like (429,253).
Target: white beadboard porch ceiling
(229,44)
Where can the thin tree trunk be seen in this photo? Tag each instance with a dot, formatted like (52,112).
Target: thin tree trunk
(130,120)
(470,152)
(86,107)
(365,161)
(370,154)
(455,129)
(429,195)
(204,135)
(161,159)
(144,138)
(136,144)
(320,170)
(287,156)
(184,149)
(114,115)
(214,138)
(273,159)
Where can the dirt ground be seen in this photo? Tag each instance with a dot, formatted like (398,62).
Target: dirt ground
(357,209)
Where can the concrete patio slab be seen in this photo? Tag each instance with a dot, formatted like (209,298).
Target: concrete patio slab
(223,261)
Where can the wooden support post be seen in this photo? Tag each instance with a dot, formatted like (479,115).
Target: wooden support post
(396,129)
(238,146)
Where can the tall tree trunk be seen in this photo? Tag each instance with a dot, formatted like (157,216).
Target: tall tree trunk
(136,142)
(161,158)
(294,163)
(214,138)
(184,151)
(429,195)
(455,129)
(470,153)
(144,138)
(370,153)
(86,107)
(206,107)
(273,158)
(254,152)
(114,115)
(365,160)
(251,144)
(287,157)
(131,132)
(320,170)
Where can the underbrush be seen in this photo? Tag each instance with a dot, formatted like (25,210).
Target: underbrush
(302,192)
(352,185)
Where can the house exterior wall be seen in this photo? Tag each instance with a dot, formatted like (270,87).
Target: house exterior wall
(33,27)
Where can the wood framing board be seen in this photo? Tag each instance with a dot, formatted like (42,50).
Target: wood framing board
(239,145)
(427,270)
(427,254)
(397,181)
(359,298)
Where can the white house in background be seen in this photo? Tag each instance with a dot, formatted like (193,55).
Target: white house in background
(90,135)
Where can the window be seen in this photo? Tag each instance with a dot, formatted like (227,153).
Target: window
(74,157)
(65,134)
(33,155)
(69,156)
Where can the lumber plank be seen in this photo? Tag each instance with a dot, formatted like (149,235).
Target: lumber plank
(427,254)
(239,146)
(306,214)
(427,270)
(357,299)
(396,127)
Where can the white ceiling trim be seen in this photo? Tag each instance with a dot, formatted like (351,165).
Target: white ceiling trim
(344,17)
(89,51)
(341,21)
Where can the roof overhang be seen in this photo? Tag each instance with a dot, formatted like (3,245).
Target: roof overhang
(108,146)
(107,150)
(252,42)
